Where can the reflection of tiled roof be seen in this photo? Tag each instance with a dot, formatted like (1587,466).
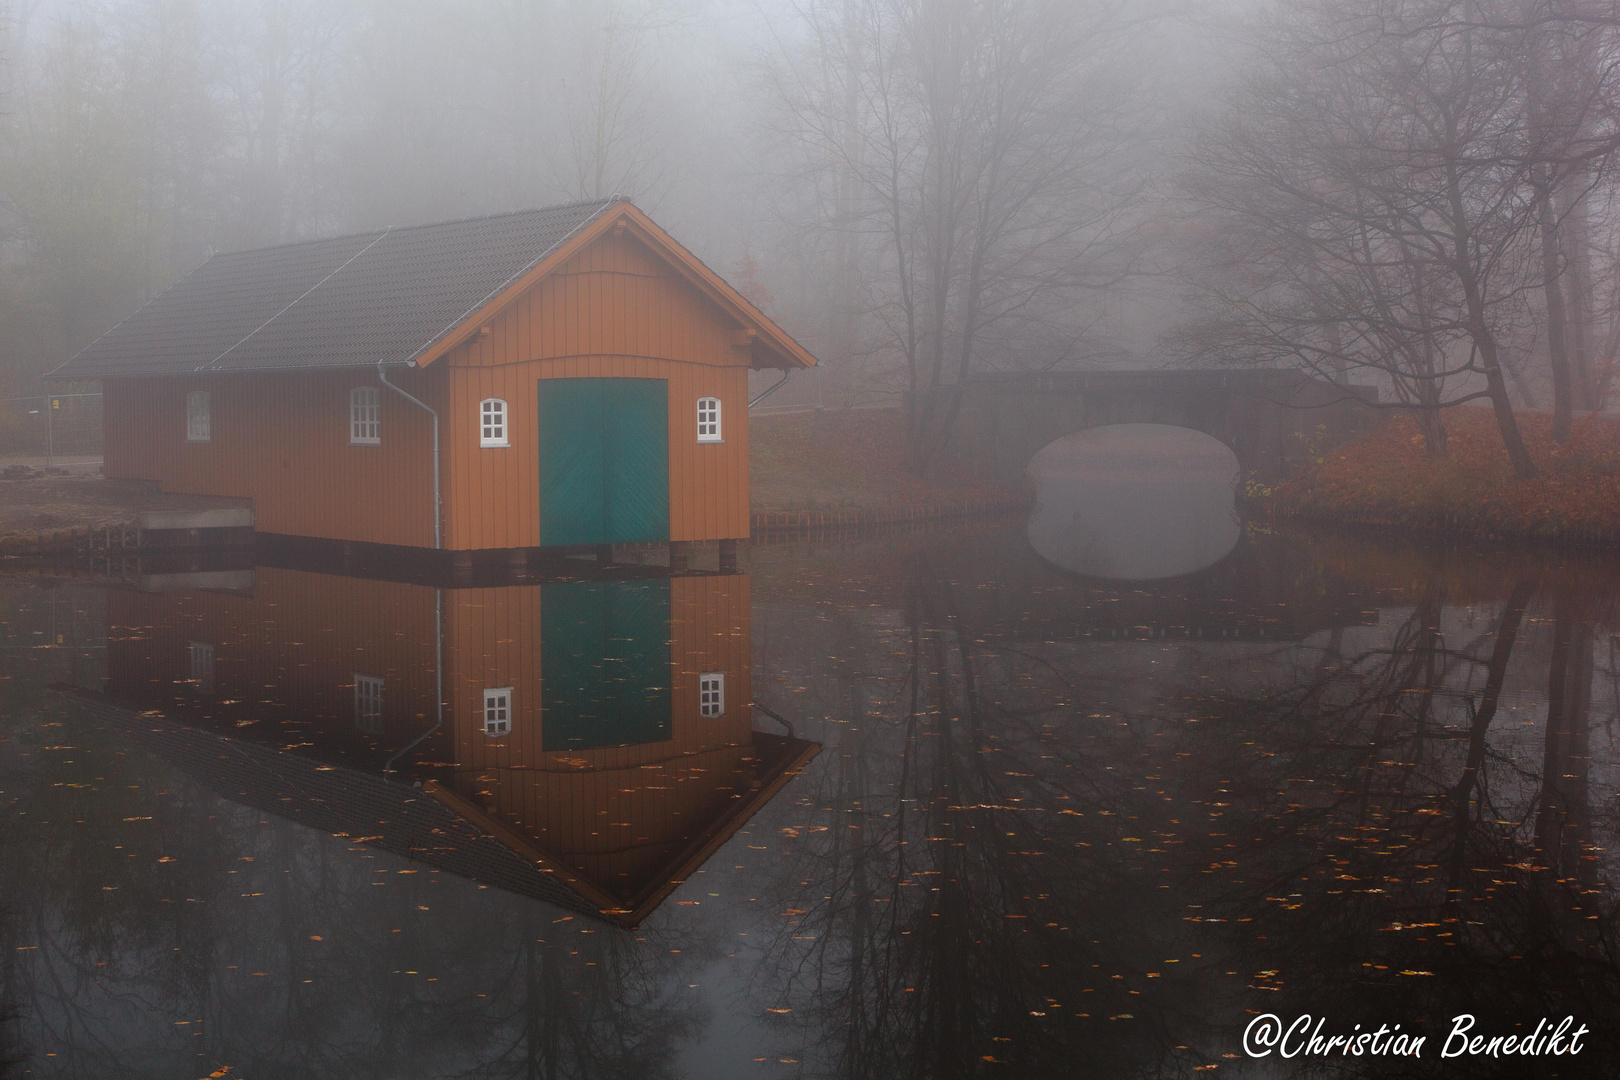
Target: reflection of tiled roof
(433,824)
(380,297)
(397,818)
(659,867)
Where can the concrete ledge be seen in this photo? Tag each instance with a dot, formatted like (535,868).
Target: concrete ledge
(233,580)
(225,518)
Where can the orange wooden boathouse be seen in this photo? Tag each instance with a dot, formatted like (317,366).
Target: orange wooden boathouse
(560,377)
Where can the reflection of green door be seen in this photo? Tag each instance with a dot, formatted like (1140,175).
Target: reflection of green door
(604,461)
(604,664)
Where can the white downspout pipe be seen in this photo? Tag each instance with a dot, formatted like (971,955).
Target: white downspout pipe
(438,514)
(773,388)
(438,683)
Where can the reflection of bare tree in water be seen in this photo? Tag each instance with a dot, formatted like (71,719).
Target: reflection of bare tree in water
(1563,818)
(12,1058)
(1407,854)
(974,911)
(604,1019)
(1391,833)
(279,951)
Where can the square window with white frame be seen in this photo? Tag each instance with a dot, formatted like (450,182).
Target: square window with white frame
(365,417)
(492,422)
(708,419)
(497,711)
(712,694)
(368,703)
(199,425)
(200,655)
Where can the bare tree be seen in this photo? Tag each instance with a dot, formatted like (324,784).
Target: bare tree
(1374,190)
(1571,99)
(978,151)
(611,111)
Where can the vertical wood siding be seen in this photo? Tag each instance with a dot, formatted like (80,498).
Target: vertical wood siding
(615,813)
(287,652)
(614,310)
(282,440)
(622,817)
(493,494)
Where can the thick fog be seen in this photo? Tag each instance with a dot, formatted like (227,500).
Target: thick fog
(921,192)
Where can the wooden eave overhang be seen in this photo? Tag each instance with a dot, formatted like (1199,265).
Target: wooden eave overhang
(770,345)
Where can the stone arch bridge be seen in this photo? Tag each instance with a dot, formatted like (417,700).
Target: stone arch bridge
(1273,421)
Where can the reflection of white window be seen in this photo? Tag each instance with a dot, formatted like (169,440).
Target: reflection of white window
(197,422)
(709,419)
(368,703)
(201,656)
(712,693)
(492,422)
(498,710)
(365,417)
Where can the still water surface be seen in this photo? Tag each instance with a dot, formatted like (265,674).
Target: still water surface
(1026,822)
(1135,502)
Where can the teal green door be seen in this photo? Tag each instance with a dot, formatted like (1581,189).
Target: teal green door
(604,461)
(604,664)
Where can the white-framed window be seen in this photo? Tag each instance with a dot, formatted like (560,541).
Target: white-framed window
(198,426)
(497,711)
(365,417)
(200,655)
(492,422)
(368,703)
(712,694)
(708,419)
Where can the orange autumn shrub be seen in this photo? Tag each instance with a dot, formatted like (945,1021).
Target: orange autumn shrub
(1384,478)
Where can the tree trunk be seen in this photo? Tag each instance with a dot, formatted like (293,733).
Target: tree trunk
(1524,466)
(1574,239)
(1433,426)
(1552,290)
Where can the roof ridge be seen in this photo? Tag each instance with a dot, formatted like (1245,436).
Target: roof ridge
(606,200)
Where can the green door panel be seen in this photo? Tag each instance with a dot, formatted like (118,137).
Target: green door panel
(572,507)
(604,461)
(636,427)
(604,664)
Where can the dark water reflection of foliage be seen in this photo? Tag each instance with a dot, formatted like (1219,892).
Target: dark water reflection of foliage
(1058,828)
(1027,864)
(154,928)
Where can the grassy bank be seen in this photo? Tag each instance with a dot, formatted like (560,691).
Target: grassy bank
(1384,478)
(847,460)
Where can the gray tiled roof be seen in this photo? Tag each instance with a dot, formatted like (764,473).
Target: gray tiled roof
(378,297)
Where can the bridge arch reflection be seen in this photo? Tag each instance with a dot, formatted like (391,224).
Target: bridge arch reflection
(1135,502)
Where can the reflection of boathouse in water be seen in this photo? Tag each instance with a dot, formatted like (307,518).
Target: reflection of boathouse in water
(594,746)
